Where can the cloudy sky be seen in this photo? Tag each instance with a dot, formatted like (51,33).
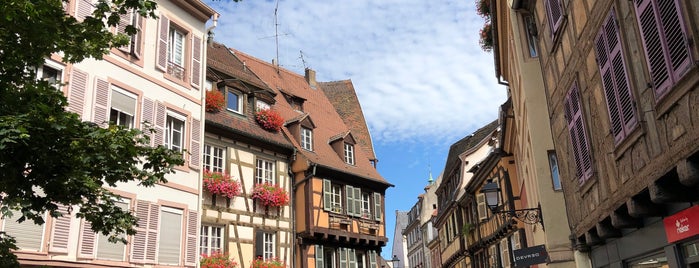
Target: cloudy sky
(421,77)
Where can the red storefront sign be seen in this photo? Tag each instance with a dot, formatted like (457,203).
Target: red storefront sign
(682,224)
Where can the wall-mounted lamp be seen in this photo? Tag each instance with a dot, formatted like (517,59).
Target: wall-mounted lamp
(395,260)
(525,215)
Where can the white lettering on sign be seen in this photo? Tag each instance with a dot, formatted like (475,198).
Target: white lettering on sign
(534,255)
(682,225)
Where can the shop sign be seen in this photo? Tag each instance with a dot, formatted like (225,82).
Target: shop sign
(530,256)
(682,224)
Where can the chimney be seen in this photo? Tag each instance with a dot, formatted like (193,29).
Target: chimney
(311,78)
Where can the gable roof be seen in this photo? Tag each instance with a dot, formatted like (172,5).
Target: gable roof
(227,66)
(466,143)
(327,121)
(344,98)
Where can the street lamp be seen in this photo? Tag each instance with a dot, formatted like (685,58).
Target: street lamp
(525,215)
(394,261)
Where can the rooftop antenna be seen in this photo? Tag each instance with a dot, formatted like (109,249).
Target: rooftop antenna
(303,60)
(276,32)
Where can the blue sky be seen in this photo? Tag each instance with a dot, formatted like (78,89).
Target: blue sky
(420,75)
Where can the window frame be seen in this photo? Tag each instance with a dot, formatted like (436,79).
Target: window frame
(529,27)
(212,159)
(173,31)
(268,170)
(268,245)
(211,239)
(349,153)
(161,237)
(555,16)
(99,236)
(53,65)
(577,130)
(306,138)
(239,102)
(170,130)
(119,112)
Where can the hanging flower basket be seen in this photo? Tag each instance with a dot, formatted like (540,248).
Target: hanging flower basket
(219,183)
(269,119)
(217,260)
(483,8)
(486,37)
(215,101)
(270,195)
(268,263)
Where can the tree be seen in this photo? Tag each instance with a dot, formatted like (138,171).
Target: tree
(48,156)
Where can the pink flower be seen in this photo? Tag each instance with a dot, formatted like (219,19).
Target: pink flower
(221,183)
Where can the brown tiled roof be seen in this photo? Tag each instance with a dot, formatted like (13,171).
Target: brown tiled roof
(320,110)
(220,60)
(466,143)
(343,96)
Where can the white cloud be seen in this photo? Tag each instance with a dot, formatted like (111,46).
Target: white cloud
(416,65)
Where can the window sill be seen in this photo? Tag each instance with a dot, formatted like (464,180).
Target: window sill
(628,141)
(128,57)
(182,82)
(666,102)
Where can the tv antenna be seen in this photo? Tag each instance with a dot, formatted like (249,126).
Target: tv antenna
(276,32)
(303,61)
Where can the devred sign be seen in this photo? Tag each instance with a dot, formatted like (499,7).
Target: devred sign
(683,224)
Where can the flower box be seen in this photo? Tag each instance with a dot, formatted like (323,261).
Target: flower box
(270,195)
(220,183)
(217,260)
(215,101)
(267,263)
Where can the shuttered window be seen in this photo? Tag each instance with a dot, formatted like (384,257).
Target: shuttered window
(578,134)
(131,18)
(28,236)
(482,207)
(60,232)
(378,206)
(664,36)
(615,81)
(554,13)
(351,208)
(320,261)
(169,249)
(332,196)
(372,259)
(211,239)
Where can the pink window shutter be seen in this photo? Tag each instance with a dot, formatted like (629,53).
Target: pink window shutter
(675,32)
(161,115)
(136,38)
(138,244)
(60,231)
(196,62)
(148,116)
(152,231)
(101,108)
(76,91)
(87,241)
(83,9)
(650,35)
(161,61)
(554,14)
(191,246)
(125,20)
(194,150)
(576,128)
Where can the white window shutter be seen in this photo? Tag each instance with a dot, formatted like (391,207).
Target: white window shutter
(327,185)
(319,256)
(153,230)
(349,191)
(343,258)
(60,231)
(164,33)
(482,207)
(196,62)
(87,241)
(191,246)
(377,206)
(194,149)
(102,96)
(76,91)
(83,9)
(161,115)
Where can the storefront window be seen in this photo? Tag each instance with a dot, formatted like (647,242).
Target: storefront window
(690,251)
(654,261)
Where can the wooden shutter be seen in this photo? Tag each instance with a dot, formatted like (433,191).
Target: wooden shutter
(343,258)
(349,191)
(327,194)
(191,246)
(352,258)
(136,38)
(101,110)
(664,39)
(319,256)
(613,71)
(148,115)
(372,259)
(29,236)
(358,202)
(164,32)
(482,206)
(83,9)
(125,20)
(505,253)
(377,206)
(144,242)
(60,231)
(88,243)
(161,116)
(578,136)
(76,91)
(259,244)
(153,231)
(554,13)
(195,144)
(196,62)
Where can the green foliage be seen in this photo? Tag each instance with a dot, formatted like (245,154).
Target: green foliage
(46,149)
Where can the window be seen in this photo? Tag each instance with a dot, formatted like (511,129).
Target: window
(261,105)
(555,177)
(360,260)
(307,138)
(132,17)
(578,136)
(268,245)
(530,32)
(612,68)
(504,253)
(28,236)
(213,158)
(366,206)
(332,196)
(123,108)
(234,102)
(482,207)
(554,13)
(174,132)
(664,37)
(211,239)
(349,153)
(264,171)
(112,251)
(175,53)
(50,72)
(170,236)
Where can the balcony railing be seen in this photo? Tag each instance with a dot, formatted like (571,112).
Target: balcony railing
(175,70)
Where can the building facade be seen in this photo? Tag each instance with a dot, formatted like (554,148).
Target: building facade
(620,80)
(413,234)
(235,144)
(400,243)
(157,78)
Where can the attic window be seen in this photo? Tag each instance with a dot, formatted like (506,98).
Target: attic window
(349,153)
(296,103)
(307,138)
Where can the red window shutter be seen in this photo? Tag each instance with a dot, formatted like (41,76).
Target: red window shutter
(191,247)
(664,39)
(194,150)
(161,115)
(612,66)
(578,136)
(148,116)
(83,9)
(161,61)
(554,13)
(196,62)
(76,91)
(87,241)
(101,110)
(138,244)
(60,231)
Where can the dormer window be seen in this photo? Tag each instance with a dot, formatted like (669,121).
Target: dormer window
(307,138)
(234,101)
(349,153)
(261,105)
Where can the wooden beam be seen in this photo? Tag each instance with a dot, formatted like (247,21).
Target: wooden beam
(668,189)
(621,219)
(605,230)
(640,206)
(688,172)
(591,238)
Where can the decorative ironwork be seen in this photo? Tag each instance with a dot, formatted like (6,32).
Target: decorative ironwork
(527,215)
